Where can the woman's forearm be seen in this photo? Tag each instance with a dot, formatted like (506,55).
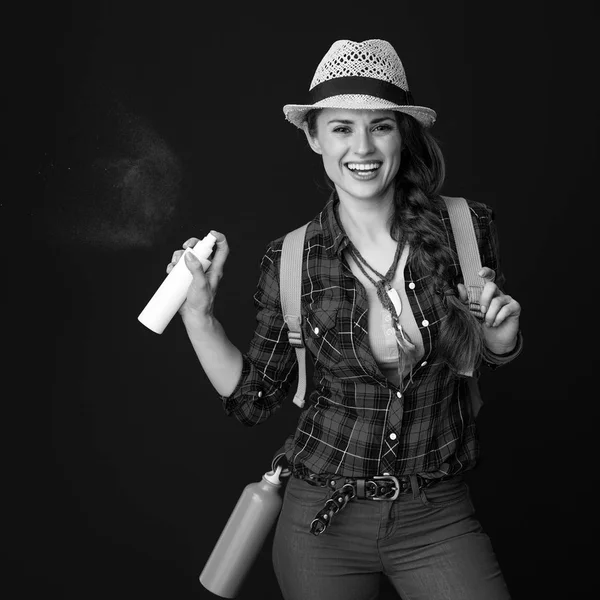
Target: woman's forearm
(220,359)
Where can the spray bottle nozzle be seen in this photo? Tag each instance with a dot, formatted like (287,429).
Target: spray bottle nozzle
(205,247)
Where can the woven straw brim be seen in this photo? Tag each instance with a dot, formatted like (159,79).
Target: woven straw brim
(296,113)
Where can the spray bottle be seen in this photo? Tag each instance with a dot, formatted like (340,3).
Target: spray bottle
(171,294)
(243,536)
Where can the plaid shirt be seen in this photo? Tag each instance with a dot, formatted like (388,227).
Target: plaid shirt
(356,422)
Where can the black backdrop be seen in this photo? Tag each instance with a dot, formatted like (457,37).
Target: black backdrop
(156,123)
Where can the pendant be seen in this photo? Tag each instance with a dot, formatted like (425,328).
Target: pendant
(406,344)
(393,296)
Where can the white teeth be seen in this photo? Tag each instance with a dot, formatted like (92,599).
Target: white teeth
(363,166)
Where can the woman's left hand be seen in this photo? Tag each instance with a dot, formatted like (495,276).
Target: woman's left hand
(501,320)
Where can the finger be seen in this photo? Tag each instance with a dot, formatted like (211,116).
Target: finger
(490,290)
(512,309)
(191,242)
(462,293)
(495,307)
(176,256)
(221,239)
(487,274)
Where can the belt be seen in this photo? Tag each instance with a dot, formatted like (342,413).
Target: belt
(376,487)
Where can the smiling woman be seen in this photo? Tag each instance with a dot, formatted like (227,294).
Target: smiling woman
(385,320)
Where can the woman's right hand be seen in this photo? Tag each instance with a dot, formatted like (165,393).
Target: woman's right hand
(203,289)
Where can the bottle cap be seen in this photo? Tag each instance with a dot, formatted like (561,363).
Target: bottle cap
(273,476)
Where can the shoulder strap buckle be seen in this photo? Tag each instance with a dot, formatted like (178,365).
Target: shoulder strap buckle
(295,336)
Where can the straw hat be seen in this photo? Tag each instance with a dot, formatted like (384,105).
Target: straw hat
(360,75)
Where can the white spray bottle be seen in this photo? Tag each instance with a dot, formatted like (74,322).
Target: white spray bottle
(169,297)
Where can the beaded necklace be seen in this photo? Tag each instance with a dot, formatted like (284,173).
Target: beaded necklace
(390,300)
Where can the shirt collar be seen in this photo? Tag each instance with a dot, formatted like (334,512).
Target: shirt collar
(334,236)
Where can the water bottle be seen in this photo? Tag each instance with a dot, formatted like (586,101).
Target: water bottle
(243,536)
(171,294)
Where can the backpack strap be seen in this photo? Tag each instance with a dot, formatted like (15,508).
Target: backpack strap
(466,247)
(470,265)
(290,289)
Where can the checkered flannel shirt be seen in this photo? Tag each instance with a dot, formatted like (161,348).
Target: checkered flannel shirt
(356,422)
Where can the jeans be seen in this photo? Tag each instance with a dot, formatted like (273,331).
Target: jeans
(428,544)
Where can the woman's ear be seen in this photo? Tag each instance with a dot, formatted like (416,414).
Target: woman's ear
(313,142)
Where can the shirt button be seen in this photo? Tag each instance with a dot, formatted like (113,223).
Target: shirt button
(260,394)
(411,285)
(316,330)
(387,318)
(393,436)
(390,331)
(399,394)
(423,363)
(425,323)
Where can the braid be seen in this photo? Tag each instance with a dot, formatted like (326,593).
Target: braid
(423,230)
(417,216)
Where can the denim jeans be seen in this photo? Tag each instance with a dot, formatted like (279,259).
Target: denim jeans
(428,544)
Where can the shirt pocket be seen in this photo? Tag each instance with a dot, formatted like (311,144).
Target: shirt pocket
(322,335)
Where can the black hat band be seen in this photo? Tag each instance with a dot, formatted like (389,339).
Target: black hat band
(361,85)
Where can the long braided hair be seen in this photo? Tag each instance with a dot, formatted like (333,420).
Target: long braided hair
(417,218)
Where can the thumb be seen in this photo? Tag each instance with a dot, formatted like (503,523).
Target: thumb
(462,293)
(198,295)
(193,264)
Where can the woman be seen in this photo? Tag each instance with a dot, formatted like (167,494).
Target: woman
(389,429)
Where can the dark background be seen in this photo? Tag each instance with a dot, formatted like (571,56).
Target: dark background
(153,123)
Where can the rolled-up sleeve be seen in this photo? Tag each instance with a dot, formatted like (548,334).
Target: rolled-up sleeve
(489,246)
(497,360)
(269,367)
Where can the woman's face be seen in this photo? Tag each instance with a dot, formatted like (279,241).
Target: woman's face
(360,150)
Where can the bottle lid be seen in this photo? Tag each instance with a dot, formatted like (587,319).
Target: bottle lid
(273,476)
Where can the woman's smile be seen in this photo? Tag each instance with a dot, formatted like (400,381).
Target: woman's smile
(364,171)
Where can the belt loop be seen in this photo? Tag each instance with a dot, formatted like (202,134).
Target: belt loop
(414,485)
(360,488)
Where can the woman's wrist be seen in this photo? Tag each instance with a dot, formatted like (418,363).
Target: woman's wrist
(197,321)
(501,349)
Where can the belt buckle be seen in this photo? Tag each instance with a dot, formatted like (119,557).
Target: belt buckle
(391,478)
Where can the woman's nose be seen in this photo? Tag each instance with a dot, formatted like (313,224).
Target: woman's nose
(363,143)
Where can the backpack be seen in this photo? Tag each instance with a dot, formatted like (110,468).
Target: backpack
(290,284)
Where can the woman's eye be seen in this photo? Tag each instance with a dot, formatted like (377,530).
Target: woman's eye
(384,127)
